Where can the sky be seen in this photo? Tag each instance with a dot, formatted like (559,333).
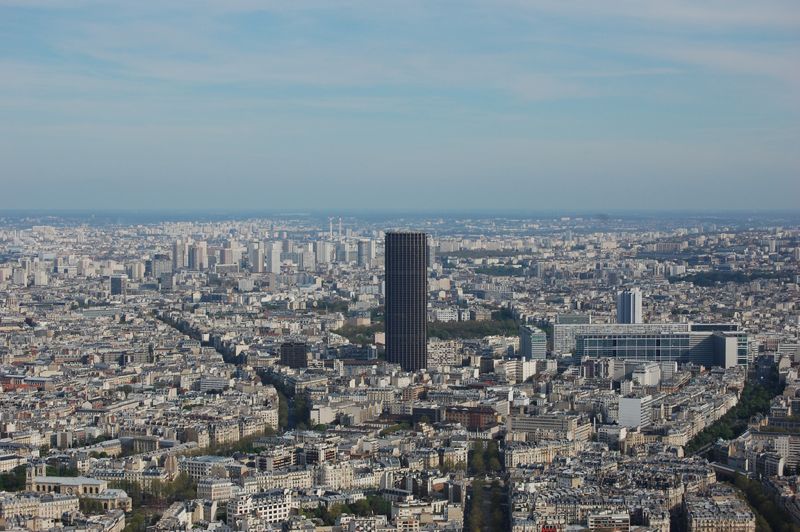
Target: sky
(593,105)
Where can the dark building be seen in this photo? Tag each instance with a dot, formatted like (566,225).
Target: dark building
(406,258)
(294,354)
(119,285)
(472,417)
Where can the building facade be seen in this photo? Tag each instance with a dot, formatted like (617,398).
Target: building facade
(406,299)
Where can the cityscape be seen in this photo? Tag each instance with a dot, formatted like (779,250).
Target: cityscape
(311,372)
(375,266)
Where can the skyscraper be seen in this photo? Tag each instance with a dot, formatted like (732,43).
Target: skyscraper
(406,258)
(629,306)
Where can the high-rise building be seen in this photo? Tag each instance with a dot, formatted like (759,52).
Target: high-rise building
(324,252)
(198,256)
(255,257)
(532,343)
(226,255)
(180,254)
(274,257)
(135,270)
(406,259)
(629,306)
(366,253)
(306,261)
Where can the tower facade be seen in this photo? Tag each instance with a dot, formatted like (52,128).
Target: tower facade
(406,259)
(629,306)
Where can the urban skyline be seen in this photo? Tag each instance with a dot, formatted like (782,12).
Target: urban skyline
(228,373)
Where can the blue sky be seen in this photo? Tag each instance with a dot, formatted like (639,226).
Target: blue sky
(276,105)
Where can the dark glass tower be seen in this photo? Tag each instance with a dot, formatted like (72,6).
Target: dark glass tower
(407,299)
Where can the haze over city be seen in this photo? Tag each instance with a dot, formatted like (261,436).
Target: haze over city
(538,105)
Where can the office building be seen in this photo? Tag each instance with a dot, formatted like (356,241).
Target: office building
(629,306)
(119,285)
(565,334)
(406,259)
(532,343)
(707,344)
(294,354)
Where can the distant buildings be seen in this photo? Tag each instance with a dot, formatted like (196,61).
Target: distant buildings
(406,299)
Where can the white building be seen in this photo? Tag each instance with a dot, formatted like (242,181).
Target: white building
(635,411)
(271,506)
(648,374)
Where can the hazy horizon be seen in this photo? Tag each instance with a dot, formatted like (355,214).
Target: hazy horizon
(543,106)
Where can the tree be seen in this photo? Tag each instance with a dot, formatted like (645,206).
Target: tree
(476,506)
(283,410)
(498,517)
(379,505)
(62,471)
(13,480)
(492,456)
(478,467)
(91,506)
(361,507)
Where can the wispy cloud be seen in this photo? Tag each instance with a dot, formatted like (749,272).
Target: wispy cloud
(506,94)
